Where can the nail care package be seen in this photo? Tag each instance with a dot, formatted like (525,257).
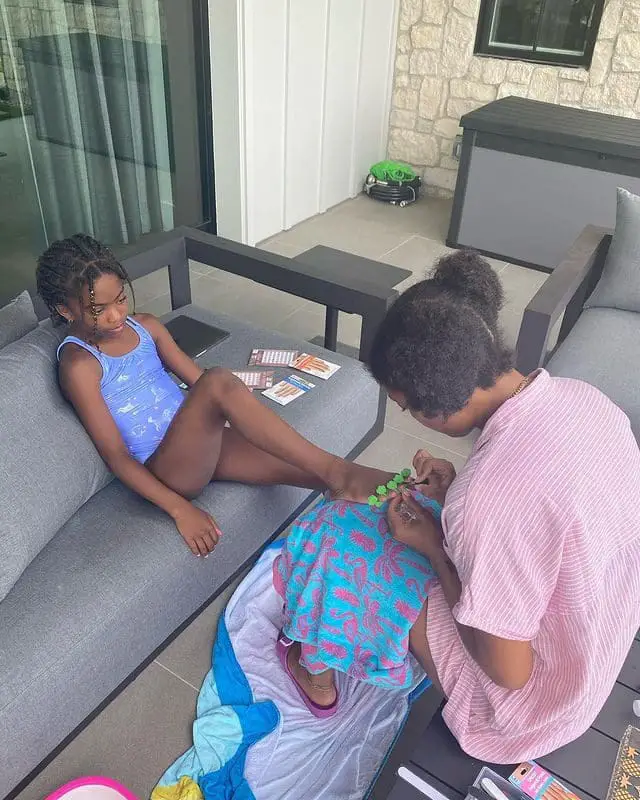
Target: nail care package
(529,781)
(535,782)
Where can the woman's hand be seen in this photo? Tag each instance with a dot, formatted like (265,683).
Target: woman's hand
(435,474)
(414,526)
(198,529)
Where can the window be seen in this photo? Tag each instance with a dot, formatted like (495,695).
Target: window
(105,125)
(546,31)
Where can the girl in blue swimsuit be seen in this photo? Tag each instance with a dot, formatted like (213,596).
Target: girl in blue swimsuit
(113,369)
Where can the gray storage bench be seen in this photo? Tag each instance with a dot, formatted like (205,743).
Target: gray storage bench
(110,582)
(532,175)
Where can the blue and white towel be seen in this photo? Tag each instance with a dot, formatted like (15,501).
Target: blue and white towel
(253,737)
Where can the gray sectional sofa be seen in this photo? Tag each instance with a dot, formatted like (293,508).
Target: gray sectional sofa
(94,581)
(595,291)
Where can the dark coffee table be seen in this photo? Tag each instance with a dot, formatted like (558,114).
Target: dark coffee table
(584,766)
(363,274)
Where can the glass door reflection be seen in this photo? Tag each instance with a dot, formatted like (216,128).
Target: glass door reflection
(86,133)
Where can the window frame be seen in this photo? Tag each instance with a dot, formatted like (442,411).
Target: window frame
(188,28)
(484,48)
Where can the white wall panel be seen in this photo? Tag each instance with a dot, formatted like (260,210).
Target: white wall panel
(305,108)
(227,62)
(346,19)
(313,80)
(265,35)
(374,88)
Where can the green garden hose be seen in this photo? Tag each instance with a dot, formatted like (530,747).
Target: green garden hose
(392,171)
(392,182)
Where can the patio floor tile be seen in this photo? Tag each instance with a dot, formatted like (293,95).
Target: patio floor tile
(134,739)
(520,285)
(403,422)
(394,450)
(429,217)
(363,237)
(189,655)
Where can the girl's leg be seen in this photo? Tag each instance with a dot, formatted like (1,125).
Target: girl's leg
(321,688)
(258,448)
(419,646)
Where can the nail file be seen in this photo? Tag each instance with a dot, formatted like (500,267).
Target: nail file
(422,786)
(492,790)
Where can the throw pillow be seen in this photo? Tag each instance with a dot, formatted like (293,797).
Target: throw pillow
(619,286)
(17,318)
(48,464)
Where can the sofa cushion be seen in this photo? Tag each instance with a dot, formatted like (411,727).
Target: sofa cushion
(48,465)
(619,286)
(117,580)
(593,352)
(16,319)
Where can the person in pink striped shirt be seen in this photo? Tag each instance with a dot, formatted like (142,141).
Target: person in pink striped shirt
(538,556)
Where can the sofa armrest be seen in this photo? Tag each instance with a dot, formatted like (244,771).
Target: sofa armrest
(564,291)
(339,281)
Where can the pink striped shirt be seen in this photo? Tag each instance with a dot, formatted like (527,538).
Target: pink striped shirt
(543,526)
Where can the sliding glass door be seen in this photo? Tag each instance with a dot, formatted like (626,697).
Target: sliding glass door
(104,124)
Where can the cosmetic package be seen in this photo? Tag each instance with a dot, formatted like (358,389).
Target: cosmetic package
(478,792)
(529,781)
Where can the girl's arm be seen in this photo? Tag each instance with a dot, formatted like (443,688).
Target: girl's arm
(80,376)
(174,359)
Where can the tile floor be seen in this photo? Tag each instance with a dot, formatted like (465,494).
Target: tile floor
(148,725)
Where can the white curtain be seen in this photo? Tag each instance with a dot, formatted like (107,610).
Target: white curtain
(98,134)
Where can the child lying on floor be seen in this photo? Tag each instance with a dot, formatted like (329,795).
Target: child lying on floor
(352,594)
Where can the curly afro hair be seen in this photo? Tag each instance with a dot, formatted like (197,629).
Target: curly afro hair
(440,341)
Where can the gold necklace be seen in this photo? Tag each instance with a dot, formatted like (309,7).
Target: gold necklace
(521,386)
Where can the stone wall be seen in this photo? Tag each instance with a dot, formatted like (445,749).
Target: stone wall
(438,79)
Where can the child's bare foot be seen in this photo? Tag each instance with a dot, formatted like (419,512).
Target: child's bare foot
(320,689)
(358,483)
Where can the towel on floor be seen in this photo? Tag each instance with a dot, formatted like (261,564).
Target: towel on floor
(253,739)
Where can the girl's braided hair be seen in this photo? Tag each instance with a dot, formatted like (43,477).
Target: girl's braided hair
(68,265)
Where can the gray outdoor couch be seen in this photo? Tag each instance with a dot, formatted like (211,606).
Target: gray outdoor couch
(106,582)
(596,293)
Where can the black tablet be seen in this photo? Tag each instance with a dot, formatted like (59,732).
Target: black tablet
(193,336)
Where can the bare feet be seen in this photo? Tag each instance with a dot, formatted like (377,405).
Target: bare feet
(356,482)
(320,689)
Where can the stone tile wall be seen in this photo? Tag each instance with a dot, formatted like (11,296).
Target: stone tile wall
(438,79)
